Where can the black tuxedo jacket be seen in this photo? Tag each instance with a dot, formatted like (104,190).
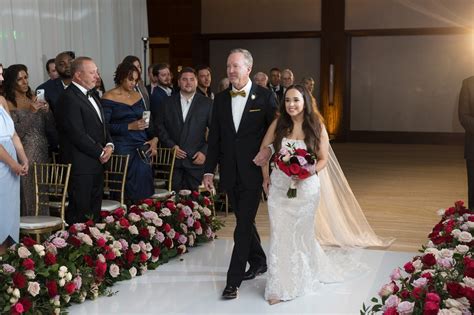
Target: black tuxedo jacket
(52,90)
(466,116)
(234,150)
(82,134)
(189,135)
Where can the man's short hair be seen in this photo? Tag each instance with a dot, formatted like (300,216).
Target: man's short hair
(247,55)
(187,70)
(203,67)
(275,69)
(50,61)
(77,64)
(158,67)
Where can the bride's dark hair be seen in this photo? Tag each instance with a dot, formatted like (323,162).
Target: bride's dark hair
(312,122)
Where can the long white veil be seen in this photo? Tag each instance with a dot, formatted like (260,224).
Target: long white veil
(340,220)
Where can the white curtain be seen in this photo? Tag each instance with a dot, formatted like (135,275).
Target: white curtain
(33,31)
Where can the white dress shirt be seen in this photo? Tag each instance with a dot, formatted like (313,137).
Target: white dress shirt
(238,104)
(185,105)
(90,98)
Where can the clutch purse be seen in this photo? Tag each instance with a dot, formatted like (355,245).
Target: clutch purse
(143,154)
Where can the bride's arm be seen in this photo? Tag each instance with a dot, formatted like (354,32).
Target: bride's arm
(322,156)
(267,140)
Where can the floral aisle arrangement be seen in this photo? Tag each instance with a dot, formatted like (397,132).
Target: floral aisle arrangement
(296,163)
(441,279)
(85,260)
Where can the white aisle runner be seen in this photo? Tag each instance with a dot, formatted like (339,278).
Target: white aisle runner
(194,284)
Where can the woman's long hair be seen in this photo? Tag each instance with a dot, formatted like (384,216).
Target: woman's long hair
(312,122)
(9,85)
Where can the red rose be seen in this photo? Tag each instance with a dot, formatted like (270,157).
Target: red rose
(124,223)
(129,256)
(429,260)
(74,241)
(468,267)
(405,294)
(181,216)
(26,304)
(90,222)
(391,311)
(168,242)
(417,292)
(454,289)
(409,268)
(301,152)
(471,218)
(284,168)
(207,201)
(110,255)
(167,227)
(158,204)
(144,233)
(49,259)
(170,205)
(295,169)
(303,174)
(17,308)
(155,252)
(28,264)
(52,288)
(70,287)
(468,293)
(195,194)
(176,235)
(72,229)
(197,225)
(432,297)
(450,211)
(119,212)
(143,257)
(148,202)
(427,275)
(100,242)
(104,214)
(28,241)
(19,280)
(100,268)
(430,308)
(189,203)
(88,260)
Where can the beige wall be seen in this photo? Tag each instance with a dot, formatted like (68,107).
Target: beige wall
(249,16)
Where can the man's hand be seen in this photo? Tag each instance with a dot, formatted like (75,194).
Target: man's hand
(153,146)
(107,152)
(180,154)
(199,158)
(262,156)
(208,181)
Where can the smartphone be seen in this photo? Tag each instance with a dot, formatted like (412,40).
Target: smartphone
(40,95)
(146,116)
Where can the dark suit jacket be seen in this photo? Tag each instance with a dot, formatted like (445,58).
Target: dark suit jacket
(278,94)
(52,90)
(234,150)
(156,100)
(466,116)
(189,135)
(82,134)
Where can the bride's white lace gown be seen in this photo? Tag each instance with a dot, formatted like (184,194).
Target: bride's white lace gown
(297,265)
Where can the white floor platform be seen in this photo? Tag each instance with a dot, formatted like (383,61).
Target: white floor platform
(193,285)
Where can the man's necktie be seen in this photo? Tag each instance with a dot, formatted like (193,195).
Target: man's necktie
(235,93)
(91,93)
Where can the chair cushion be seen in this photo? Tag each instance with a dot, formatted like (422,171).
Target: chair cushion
(39,222)
(161,194)
(110,205)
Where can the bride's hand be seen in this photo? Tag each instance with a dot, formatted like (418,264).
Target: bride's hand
(266,184)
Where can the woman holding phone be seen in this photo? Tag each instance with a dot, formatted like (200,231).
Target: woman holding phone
(31,118)
(128,122)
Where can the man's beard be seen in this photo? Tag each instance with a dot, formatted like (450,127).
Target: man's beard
(64,75)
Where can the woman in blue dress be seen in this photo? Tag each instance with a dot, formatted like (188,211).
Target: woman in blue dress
(123,110)
(13,164)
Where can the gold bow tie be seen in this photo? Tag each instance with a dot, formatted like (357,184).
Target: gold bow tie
(235,93)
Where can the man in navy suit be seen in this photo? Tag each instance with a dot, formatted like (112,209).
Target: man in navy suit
(183,122)
(162,91)
(85,141)
(241,115)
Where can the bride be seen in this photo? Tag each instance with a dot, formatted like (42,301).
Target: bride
(297,265)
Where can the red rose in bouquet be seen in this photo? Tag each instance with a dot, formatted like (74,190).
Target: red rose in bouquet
(296,163)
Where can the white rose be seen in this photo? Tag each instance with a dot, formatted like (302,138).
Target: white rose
(68,276)
(33,288)
(13,300)
(86,239)
(171,234)
(451,311)
(452,303)
(158,221)
(465,237)
(462,249)
(207,211)
(100,226)
(440,212)
(148,247)
(23,252)
(95,232)
(134,217)
(133,272)
(16,293)
(114,270)
(184,227)
(430,244)
(417,264)
(446,253)
(30,274)
(196,215)
(117,245)
(133,229)
(39,249)
(191,240)
(135,248)
(101,258)
(62,282)
(464,227)
(464,301)
(151,230)
(57,311)
(455,232)
(468,281)
(165,212)
(142,246)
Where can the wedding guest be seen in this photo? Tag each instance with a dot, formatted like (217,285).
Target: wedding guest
(13,163)
(51,69)
(308,83)
(31,117)
(223,85)
(99,86)
(287,79)
(183,124)
(261,79)
(153,80)
(204,81)
(466,118)
(162,91)
(140,86)
(123,111)
(275,83)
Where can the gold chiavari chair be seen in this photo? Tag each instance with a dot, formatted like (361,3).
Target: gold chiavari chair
(51,181)
(115,178)
(163,165)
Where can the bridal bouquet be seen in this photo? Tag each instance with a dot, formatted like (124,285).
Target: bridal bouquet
(296,163)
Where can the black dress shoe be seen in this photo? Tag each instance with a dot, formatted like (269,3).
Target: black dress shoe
(230,292)
(253,272)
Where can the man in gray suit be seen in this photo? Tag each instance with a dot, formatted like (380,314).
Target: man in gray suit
(466,117)
(183,121)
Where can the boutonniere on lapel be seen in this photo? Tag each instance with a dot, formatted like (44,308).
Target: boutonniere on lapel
(252,97)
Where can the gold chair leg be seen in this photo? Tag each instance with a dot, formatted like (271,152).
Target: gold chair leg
(226,205)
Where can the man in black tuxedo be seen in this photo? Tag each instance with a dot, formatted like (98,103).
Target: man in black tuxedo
(466,117)
(162,72)
(241,116)
(85,141)
(182,124)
